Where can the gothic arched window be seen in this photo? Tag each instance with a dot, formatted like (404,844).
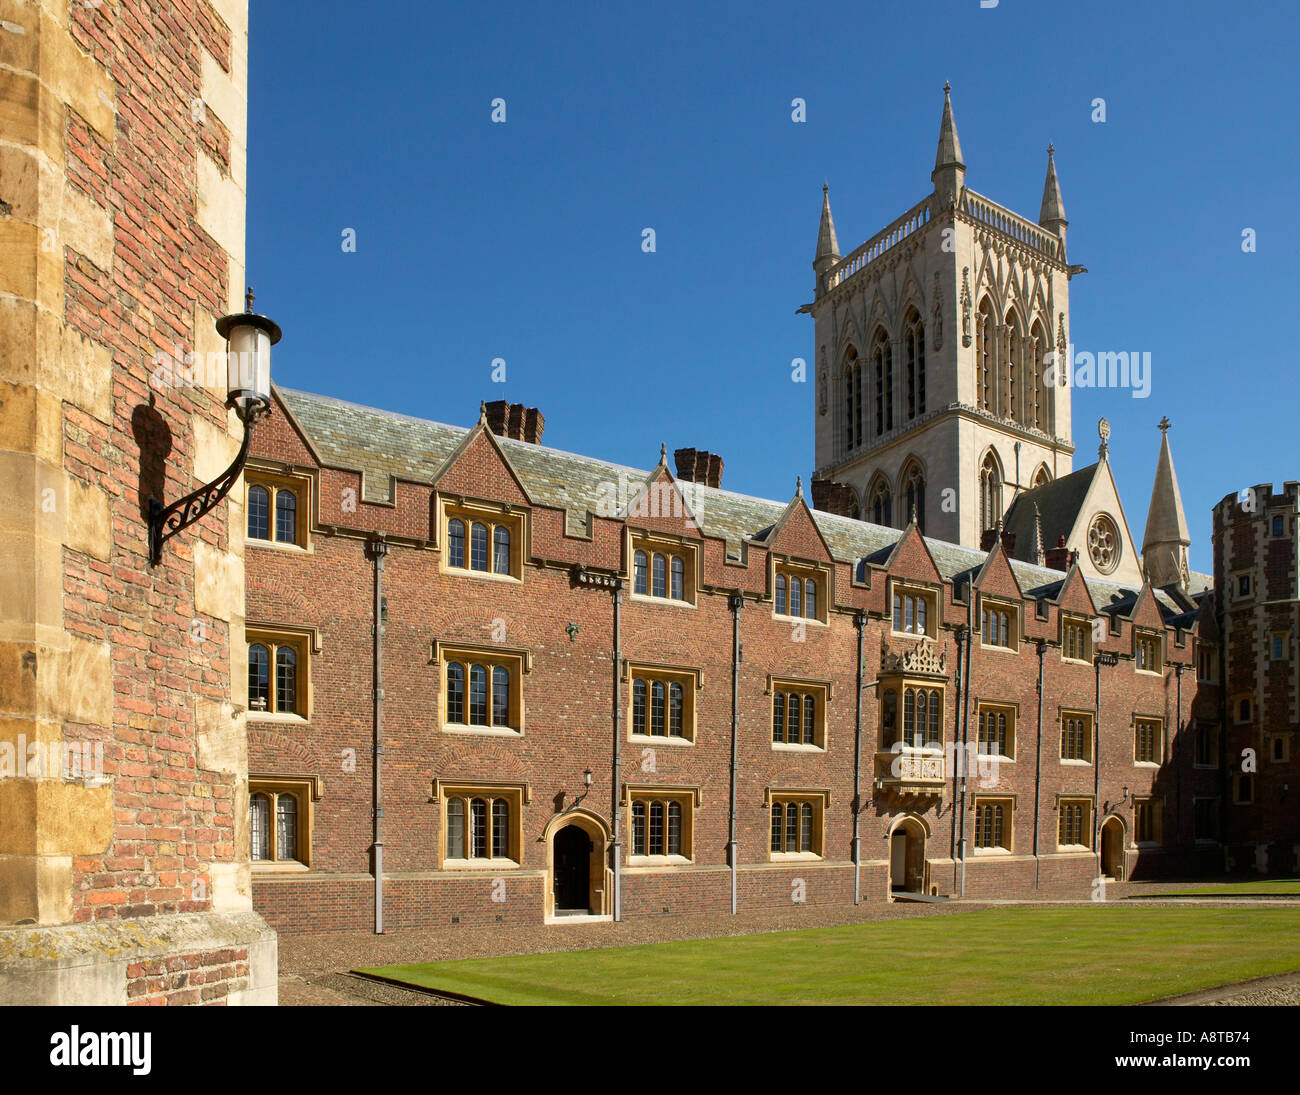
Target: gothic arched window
(880,505)
(1043,477)
(853,397)
(1011,403)
(990,492)
(914,349)
(882,361)
(1035,397)
(984,355)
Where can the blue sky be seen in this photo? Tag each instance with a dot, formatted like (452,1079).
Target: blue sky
(522,241)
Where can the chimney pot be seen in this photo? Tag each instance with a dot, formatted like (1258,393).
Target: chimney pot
(515,421)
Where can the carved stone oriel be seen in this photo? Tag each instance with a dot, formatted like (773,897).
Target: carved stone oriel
(923,658)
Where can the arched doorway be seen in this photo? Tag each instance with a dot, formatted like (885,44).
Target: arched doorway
(572,871)
(907,857)
(579,878)
(1112,849)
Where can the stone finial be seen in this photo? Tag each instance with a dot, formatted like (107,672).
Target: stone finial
(663,453)
(1103,431)
(798,486)
(482,412)
(1164,424)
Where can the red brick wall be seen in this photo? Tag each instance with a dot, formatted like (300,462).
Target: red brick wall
(568,721)
(173,818)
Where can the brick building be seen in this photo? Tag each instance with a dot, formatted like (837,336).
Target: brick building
(124,873)
(571,651)
(518,684)
(1257,614)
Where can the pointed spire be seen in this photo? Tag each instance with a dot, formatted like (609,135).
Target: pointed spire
(949,151)
(828,248)
(949,172)
(1051,214)
(1165,542)
(827,245)
(1053,207)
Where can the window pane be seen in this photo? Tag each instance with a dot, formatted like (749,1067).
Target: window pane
(791,826)
(796,597)
(898,612)
(638,829)
(500,828)
(657,708)
(259,677)
(501,550)
(638,707)
(794,716)
(776,826)
(674,828)
(639,569)
(478,708)
(679,579)
(780,594)
(810,599)
(259,507)
(806,827)
(920,615)
(934,731)
(675,711)
(500,696)
(259,826)
(478,829)
(909,716)
(660,588)
(286,679)
(656,828)
(909,614)
(286,517)
(455,542)
(478,546)
(778,717)
(455,692)
(286,827)
(456,828)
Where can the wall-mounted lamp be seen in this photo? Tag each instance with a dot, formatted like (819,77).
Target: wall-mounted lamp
(249,338)
(572,629)
(586,776)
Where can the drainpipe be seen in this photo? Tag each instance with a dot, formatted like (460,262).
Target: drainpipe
(1168,750)
(1099,660)
(377,549)
(965,733)
(961,681)
(860,622)
(1038,760)
(617,848)
(737,602)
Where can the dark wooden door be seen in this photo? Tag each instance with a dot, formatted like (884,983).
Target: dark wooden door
(572,870)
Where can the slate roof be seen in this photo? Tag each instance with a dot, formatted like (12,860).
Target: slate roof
(1059,503)
(383,444)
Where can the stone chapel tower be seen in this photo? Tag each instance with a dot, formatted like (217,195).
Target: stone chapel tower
(931,343)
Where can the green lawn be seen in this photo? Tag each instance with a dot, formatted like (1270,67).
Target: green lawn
(1274,887)
(1108,954)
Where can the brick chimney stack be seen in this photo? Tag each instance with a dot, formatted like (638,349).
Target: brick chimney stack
(699,466)
(516,421)
(1058,558)
(989,537)
(831,497)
